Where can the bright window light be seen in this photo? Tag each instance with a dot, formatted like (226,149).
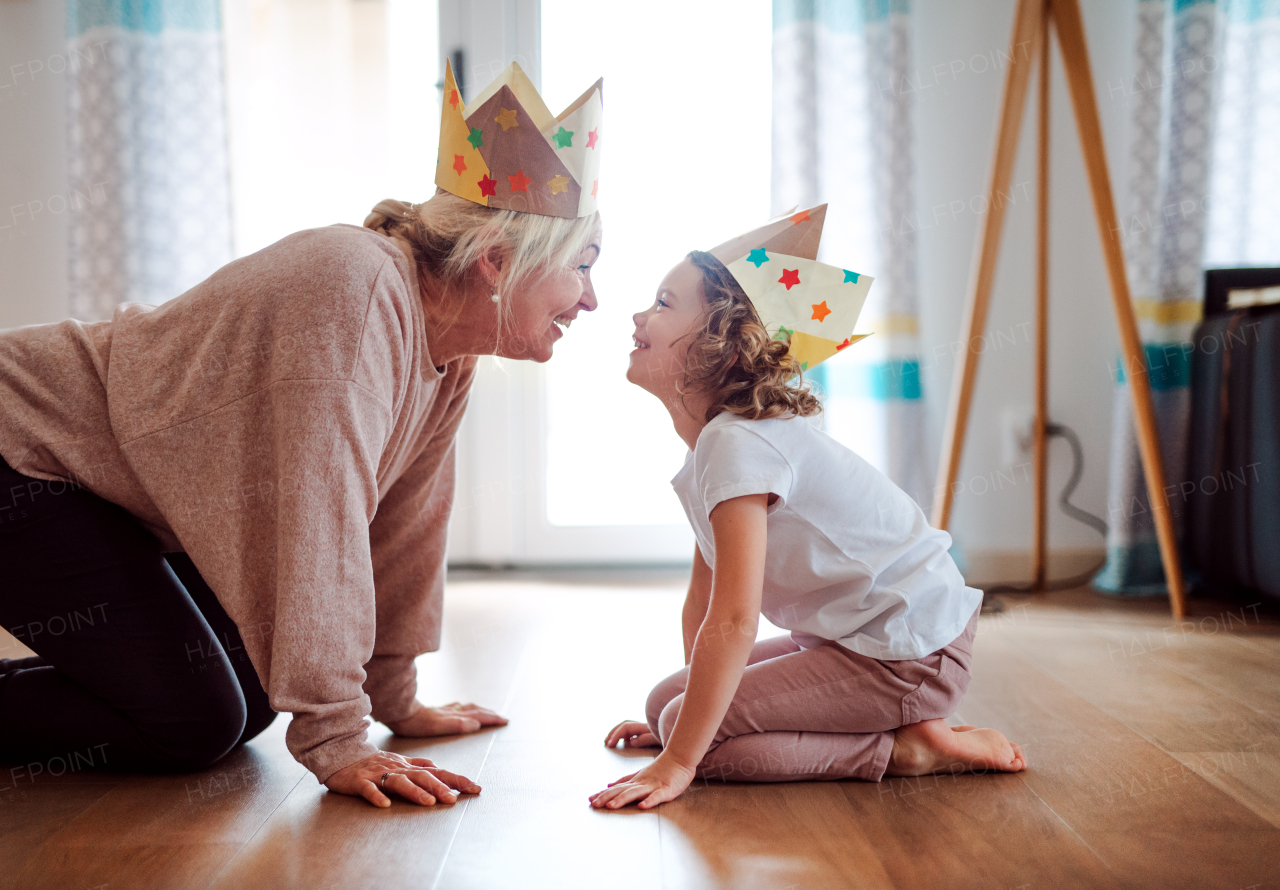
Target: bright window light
(685,165)
(331,108)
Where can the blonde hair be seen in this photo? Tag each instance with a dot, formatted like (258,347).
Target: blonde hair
(449,234)
(733,358)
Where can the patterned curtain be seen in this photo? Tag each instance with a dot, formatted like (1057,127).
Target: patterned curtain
(1204,191)
(842,134)
(147,143)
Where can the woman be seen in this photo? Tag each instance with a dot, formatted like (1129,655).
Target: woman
(236,503)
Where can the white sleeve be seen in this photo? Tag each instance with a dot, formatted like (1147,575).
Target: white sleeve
(738,461)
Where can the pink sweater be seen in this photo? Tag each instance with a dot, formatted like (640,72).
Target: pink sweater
(283,424)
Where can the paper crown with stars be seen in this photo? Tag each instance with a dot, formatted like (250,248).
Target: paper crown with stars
(506,150)
(812,304)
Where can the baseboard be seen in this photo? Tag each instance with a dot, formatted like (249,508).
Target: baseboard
(987,567)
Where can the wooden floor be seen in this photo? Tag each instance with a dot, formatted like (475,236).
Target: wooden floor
(1154,753)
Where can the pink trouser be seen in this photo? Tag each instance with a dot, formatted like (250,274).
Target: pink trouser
(821,713)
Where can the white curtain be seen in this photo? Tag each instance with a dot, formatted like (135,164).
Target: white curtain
(842,135)
(1204,192)
(147,145)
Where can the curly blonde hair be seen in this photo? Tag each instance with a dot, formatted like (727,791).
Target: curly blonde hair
(732,356)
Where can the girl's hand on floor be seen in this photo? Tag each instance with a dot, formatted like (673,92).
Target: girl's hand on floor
(450,719)
(634,733)
(416,779)
(659,782)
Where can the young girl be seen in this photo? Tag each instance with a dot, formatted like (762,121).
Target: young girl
(791,524)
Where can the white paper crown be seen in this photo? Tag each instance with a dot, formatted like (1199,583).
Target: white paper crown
(813,305)
(506,150)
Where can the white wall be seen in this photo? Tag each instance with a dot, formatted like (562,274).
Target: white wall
(957,104)
(33,176)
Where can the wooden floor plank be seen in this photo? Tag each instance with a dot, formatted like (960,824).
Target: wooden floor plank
(1152,821)
(534,821)
(31,816)
(1212,705)
(538,823)
(1173,710)
(165,830)
(972,831)
(1153,768)
(752,837)
(318,839)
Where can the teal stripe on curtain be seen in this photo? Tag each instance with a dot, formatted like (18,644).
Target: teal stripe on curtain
(148,16)
(1252,10)
(1168,365)
(894,379)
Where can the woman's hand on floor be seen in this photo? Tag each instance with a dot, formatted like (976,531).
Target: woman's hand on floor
(659,782)
(416,779)
(451,719)
(634,733)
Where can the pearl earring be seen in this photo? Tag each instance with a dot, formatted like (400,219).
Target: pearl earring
(493,293)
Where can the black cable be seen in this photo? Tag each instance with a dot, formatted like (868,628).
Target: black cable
(1081,516)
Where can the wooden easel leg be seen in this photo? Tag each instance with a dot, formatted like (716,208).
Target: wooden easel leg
(1075,58)
(1039,556)
(1027,24)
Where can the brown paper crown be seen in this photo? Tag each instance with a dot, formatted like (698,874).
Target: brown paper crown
(795,234)
(506,150)
(813,306)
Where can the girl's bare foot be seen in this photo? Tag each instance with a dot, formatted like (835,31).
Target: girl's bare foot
(932,746)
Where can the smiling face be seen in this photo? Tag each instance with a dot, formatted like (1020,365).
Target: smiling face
(542,310)
(661,334)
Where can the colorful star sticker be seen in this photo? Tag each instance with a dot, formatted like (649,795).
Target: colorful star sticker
(453,98)
(592,137)
(790,277)
(802,216)
(476,138)
(820,311)
(849,277)
(459,164)
(519,182)
(488,187)
(564,138)
(559,184)
(784,333)
(507,118)
(759,256)
(595,185)
(841,346)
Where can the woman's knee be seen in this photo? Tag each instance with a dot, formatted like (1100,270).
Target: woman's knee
(258,718)
(211,729)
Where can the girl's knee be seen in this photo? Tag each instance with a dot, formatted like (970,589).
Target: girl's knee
(662,695)
(666,720)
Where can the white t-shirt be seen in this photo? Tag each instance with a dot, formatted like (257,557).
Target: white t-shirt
(850,556)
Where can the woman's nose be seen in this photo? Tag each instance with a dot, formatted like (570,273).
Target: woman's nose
(637,318)
(589,297)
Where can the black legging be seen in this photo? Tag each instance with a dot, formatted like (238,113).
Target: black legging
(138,667)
